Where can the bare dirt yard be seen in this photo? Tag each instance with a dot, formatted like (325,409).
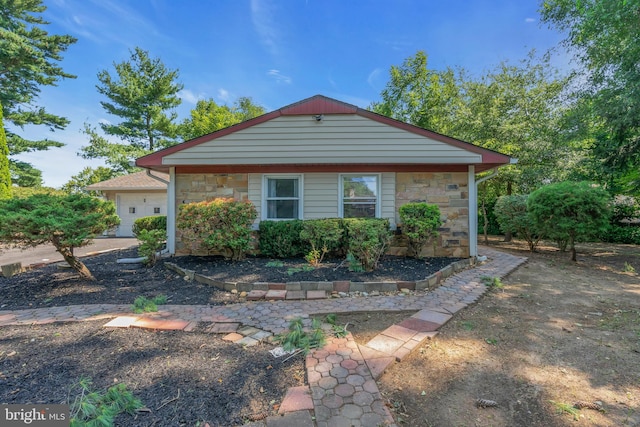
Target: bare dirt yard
(556,333)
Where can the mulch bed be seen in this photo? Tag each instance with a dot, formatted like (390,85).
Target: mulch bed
(184,378)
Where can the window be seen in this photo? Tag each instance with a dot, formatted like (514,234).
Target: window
(359,196)
(132,210)
(156,210)
(282,197)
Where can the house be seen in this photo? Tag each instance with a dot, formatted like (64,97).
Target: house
(135,195)
(323,158)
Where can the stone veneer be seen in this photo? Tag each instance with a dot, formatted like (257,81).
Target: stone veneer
(199,187)
(448,190)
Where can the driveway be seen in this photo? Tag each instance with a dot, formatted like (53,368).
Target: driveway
(48,254)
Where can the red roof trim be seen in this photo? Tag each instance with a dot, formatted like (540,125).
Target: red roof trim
(320,104)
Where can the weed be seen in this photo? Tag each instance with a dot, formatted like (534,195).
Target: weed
(93,408)
(144,305)
(354,264)
(275,264)
(562,408)
(628,268)
(339,331)
(468,326)
(492,282)
(293,270)
(298,339)
(491,341)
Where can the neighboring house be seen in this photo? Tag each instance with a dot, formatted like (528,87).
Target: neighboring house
(135,195)
(322,158)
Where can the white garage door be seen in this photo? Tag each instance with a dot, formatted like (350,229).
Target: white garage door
(132,206)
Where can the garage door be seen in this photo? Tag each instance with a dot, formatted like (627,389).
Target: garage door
(132,206)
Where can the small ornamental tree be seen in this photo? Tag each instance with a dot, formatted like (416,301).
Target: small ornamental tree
(570,212)
(367,240)
(222,225)
(420,223)
(513,217)
(66,221)
(323,235)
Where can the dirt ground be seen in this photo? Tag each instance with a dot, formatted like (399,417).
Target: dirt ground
(555,334)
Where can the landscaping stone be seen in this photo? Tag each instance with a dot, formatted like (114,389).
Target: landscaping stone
(10,270)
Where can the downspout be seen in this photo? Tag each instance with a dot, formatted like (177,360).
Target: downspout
(171,210)
(157,178)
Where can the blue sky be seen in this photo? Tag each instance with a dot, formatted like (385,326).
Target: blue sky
(276,52)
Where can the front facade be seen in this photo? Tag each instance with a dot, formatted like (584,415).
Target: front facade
(321,158)
(135,195)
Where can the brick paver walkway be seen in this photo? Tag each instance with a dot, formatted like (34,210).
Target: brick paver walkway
(342,374)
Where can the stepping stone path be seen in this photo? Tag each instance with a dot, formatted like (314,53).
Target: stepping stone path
(342,390)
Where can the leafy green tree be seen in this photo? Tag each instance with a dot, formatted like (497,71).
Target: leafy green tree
(570,212)
(605,35)
(5,175)
(423,97)
(28,61)
(87,176)
(513,217)
(209,117)
(143,94)
(66,222)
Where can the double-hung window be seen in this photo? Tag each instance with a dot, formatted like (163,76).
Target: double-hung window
(360,196)
(282,197)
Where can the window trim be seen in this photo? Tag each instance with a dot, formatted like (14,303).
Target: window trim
(265,198)
(341,191)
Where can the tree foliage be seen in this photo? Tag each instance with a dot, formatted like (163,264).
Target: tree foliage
(29,58)
(88,176)
(209,117)
(513,217)
(420,223)
(67,222)
(605,35)
(142,94)
(570,212)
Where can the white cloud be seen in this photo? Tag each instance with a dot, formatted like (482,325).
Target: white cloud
(373,77)
(104,121)
(190,97)
(279,77)
(262,16)
(223,95)
(530,20)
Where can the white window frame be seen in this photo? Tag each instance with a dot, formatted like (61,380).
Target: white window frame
(265,198)
(341,191)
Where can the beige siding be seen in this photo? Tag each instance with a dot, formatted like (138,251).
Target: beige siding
(320,195)
(255,193)
(388,197)
(340,138)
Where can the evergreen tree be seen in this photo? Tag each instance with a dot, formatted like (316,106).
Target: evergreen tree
(5,175)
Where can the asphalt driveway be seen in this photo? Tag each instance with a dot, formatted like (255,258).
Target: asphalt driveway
(48,254)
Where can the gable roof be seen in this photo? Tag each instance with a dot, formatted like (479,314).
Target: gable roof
(319,105)
(133,181)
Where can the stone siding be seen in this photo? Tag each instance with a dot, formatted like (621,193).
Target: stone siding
(451,193)
(199,187)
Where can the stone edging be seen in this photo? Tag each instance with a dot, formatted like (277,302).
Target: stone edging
(431,282)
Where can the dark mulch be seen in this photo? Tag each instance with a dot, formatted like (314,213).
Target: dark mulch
(116,283)
(185,378)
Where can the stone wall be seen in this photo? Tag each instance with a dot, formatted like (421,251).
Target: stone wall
(451,193)
(199,187)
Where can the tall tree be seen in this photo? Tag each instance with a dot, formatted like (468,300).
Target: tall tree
(5,175)
(88,176)
(29,58)
(605,35)
(143,94)
(209,117)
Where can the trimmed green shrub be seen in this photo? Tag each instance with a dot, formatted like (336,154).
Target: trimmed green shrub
(281,239)
(570,211)
(152,242)
(513,217)
(323,235)
(222,225)
(420,223)
(367,240)
(157,222)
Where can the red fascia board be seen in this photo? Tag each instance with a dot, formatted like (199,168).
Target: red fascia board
(329,168)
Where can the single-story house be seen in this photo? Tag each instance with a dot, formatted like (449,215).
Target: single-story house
(135,195)
(323,158)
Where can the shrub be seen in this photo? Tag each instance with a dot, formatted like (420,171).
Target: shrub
(323,235)
(513,217)
(420,223)
(152,242)
(367,240)
(222,225)
(281,239)
(570,211)
(158,222)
